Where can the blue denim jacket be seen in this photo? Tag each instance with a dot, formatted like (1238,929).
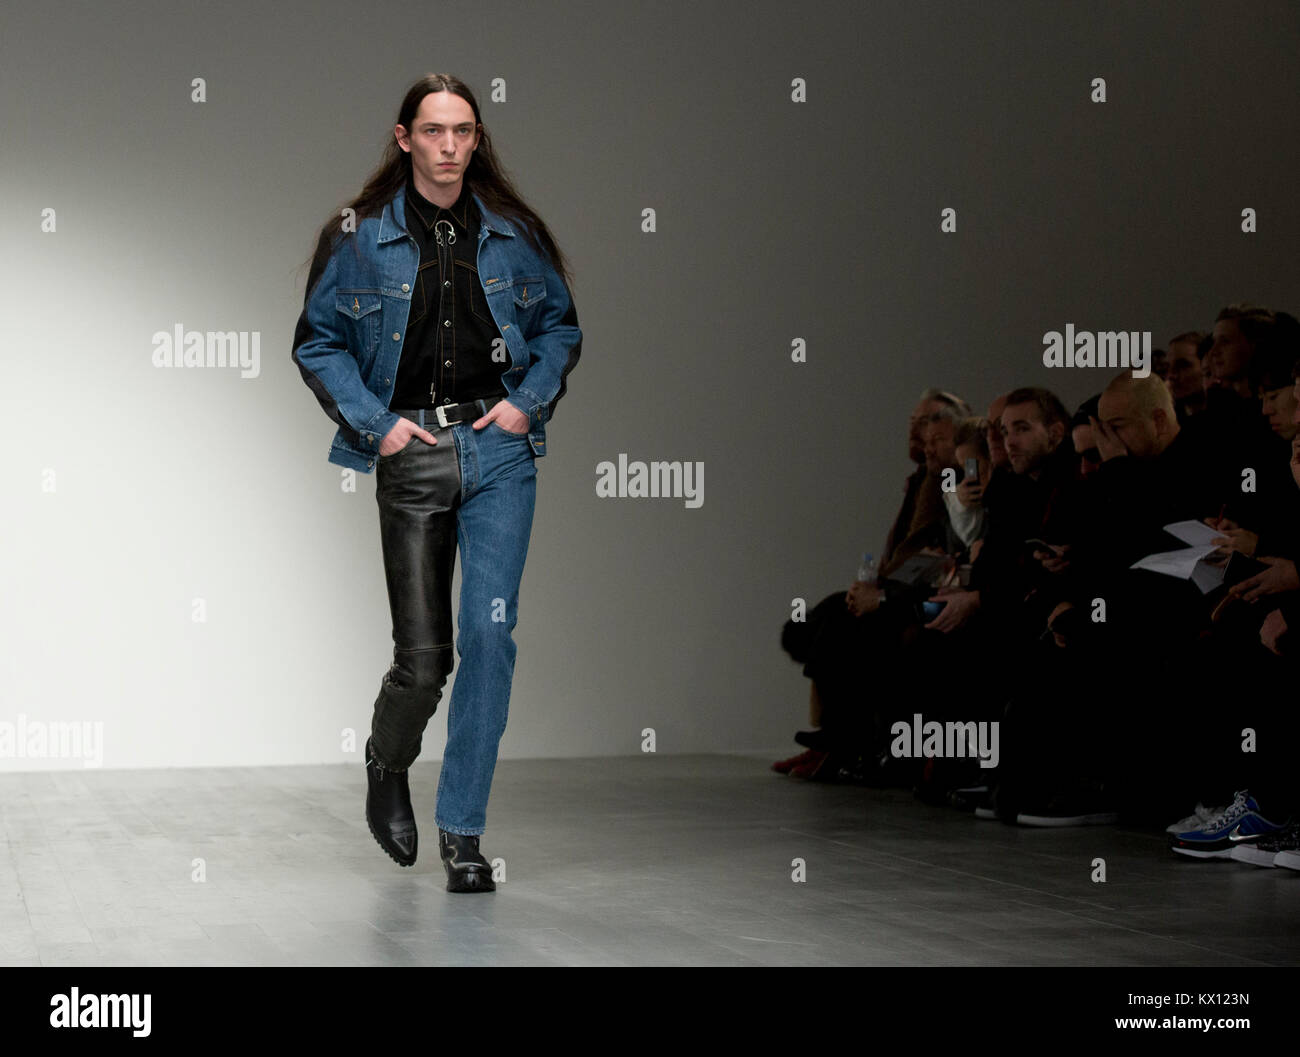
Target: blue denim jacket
(350,334)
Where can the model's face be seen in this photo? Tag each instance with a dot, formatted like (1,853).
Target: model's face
(1184,378)
(441,140)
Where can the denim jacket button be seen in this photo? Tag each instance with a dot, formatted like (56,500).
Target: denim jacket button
(406,287)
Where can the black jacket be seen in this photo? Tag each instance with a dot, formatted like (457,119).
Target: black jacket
(1020,507)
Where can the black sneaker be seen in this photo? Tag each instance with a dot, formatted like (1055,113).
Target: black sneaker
(1086,806)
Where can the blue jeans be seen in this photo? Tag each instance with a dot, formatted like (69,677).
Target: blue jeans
(474,489)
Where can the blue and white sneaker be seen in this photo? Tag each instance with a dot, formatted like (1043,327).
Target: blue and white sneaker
(1239,822)
(1265,851)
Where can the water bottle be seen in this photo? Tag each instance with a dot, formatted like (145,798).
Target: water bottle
(867,570)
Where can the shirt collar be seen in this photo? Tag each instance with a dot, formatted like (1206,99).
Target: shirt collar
(429,214)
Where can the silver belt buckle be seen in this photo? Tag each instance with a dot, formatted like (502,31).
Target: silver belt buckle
(440,413)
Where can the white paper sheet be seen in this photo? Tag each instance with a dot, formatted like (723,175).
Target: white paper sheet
(1193,533)
(1179,563)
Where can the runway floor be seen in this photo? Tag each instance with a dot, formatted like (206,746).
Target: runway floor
(646,860)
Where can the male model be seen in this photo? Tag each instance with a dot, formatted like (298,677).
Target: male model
(437,332)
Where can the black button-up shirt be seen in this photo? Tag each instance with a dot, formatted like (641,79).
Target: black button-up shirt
(447,351)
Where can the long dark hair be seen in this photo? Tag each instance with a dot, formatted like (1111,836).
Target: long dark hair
(485,176)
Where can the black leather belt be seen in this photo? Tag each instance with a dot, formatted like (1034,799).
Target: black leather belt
(449,414)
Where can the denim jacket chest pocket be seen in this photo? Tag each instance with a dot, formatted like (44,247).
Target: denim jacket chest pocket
(361,315)
(527,293)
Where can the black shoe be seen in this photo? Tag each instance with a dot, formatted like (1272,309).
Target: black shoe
(880,770)
(1070,810)
(855,769)
(1082,804)
(388,811)
(467,870)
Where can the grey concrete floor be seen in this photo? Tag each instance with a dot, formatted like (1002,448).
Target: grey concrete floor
(661,860)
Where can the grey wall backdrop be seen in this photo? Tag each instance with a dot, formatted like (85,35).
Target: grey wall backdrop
(131,491)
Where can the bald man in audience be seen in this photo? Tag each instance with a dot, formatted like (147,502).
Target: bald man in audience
(1153,472)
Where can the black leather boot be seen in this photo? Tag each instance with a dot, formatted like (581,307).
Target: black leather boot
(467,870)
(388,811)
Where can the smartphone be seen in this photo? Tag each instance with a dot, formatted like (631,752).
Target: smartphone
(973,470)
(930,610)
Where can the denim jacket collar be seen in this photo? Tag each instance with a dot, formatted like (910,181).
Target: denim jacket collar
(391,228)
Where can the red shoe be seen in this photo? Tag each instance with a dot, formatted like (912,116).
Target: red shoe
(786,766)
(808,769)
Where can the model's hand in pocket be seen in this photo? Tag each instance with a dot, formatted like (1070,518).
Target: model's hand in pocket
(506,416)
(396,439)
